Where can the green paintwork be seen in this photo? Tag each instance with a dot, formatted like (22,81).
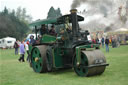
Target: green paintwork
(45,21)
(37,66)
(80,70)
(48,39)
(58,58)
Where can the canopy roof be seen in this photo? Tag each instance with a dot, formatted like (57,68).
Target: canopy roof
(44,21)
(60,20)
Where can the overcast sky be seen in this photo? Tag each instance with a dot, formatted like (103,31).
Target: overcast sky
(38,9)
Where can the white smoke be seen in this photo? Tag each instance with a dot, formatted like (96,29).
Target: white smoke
(100,14)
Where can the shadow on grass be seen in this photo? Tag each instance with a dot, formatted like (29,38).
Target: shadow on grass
(61,71)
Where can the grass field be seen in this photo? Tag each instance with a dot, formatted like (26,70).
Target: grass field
(13,72)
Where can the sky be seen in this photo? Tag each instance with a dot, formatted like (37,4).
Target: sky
(38,9)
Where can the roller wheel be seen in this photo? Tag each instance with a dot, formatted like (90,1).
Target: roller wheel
(95,59)
(38,59)
(80,70)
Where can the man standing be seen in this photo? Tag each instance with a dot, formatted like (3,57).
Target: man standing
(16,46)
(102,41)
(22,51)
(107,44)
(27,50)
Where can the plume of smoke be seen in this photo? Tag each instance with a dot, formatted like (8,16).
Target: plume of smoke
(100,4)
(109,19)
(77,3)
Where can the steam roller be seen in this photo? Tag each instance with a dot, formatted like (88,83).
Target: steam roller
(70,47)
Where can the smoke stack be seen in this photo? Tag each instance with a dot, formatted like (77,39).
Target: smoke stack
(74,22)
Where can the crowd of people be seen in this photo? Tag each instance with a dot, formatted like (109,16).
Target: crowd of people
(22,48)
(114,41)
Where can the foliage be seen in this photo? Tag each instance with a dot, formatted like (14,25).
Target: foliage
(54,13)
(21,14)
(11,25)
(12,72)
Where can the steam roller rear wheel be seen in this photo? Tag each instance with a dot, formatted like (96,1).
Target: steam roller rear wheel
(93,58)
(38,59)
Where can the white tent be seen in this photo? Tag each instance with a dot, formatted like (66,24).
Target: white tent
(7,42)
(121,29)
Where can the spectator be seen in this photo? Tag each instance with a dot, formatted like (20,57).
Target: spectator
(16,46)
(102,41)
(107,44)
(113,42)
(97,40)
(22,51)
(93,41)
(27,50)
(32,41)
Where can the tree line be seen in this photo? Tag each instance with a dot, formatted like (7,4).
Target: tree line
(14,23)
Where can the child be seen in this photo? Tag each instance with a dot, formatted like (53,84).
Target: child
(22,51)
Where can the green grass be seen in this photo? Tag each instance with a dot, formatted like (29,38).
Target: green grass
(13,72)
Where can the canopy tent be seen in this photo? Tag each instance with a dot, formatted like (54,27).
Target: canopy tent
(121,29)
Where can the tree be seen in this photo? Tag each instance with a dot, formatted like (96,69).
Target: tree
(54,13)
(5,11)
(12,26)
(58,13)
(21,13)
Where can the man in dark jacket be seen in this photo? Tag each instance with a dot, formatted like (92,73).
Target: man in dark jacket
(43,30)
(16,46)
(52,31)
(107,44)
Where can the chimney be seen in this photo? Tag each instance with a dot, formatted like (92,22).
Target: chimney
(74,22)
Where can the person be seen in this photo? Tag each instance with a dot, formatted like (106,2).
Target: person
(97,40)
(102,41)
(27,50)
(43,30)
(107,44)
(113,42)
(16,46)
(52,31)
(93,41)
(32,41)
(38,39)
(22,51)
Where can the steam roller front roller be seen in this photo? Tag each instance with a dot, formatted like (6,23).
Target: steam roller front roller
(38,59)
(92,63)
